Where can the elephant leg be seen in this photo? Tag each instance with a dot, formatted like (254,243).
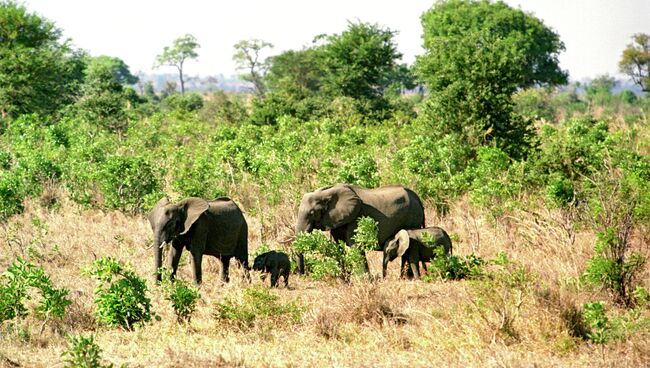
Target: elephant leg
(174,259)
(197,259)
(414,262)
(274,278)
(225,264)
(285,273)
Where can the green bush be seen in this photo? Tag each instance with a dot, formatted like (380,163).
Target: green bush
(120,296)
(19,277)
(83,352)
(182,296)
(449,267)
(126,180)
(327,259)
(599,325)
(360,169)
(11,195)
(189,102)
(256,305)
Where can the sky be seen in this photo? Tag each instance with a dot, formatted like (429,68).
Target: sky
(595,32)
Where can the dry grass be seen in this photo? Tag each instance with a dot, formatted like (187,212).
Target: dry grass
(386,323)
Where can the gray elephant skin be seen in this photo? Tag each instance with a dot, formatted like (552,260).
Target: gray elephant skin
(408,245)
(337,208)
(217,228)
(275,263)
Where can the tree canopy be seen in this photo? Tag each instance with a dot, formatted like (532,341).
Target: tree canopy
(181,50)
(247,56)
(635,61)
(477,55)
(38,72)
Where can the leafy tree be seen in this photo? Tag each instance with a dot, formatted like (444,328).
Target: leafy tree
(247,56)
(635,60)
(477,55)
(37,72)
(294,72)
(107,93)
(182,49)
(599,91)
(357,62)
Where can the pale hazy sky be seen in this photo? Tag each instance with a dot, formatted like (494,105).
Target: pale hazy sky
(595,32)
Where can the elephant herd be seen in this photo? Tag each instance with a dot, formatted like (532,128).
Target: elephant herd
(218,228)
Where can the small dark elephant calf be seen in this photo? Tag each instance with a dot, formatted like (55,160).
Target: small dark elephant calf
(276,263)
(409,245)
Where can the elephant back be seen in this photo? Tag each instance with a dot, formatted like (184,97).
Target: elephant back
(393,207)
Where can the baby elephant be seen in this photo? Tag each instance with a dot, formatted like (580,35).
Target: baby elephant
(277,263)
(408,245)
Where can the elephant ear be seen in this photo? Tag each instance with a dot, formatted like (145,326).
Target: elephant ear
(193,207)
(404,242)
(343,206)
(154,211)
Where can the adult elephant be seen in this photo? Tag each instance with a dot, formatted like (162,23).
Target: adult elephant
(337,208)
(217,228)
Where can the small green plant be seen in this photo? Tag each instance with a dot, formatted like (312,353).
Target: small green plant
(449,267)
(600,326)
(83,352)
(18,278)
(182,296)
(256,305)
(126,180)
(120,296)
(327,259)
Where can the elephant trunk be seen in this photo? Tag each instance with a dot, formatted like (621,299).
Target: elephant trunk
(384,265)
(303,225)
(157,248)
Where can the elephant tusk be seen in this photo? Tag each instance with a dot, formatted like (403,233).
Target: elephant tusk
(162,244)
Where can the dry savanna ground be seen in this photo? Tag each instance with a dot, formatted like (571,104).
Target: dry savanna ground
(365,323)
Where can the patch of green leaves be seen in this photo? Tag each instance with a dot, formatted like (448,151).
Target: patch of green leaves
(256,305)
(120,296)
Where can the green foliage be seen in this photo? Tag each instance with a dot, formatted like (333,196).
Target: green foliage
(449,267)
(126,180)
(361,170)
(247,57)
(256,306)
(182,296)
(365,234)
(467,43)
(635,61)
(83,352)
(181,50)
(11,195)
(19,277)
(38,73)
(186,102)
(617,202)
(357,62)
(600,327)
(120,296)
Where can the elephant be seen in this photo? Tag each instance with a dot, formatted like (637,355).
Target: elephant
(408,245)
(276,263)
(337,208)
(217,228)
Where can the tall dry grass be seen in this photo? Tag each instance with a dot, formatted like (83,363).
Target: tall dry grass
(381,323)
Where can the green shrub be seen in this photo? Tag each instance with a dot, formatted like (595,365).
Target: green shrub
(83,352)
(187,102)
(120,296)
(599,325)
(126,180)
(449,267)
(327,259)
(256,305)
(182,296)
(360,169)
(19,277)
(11,195)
